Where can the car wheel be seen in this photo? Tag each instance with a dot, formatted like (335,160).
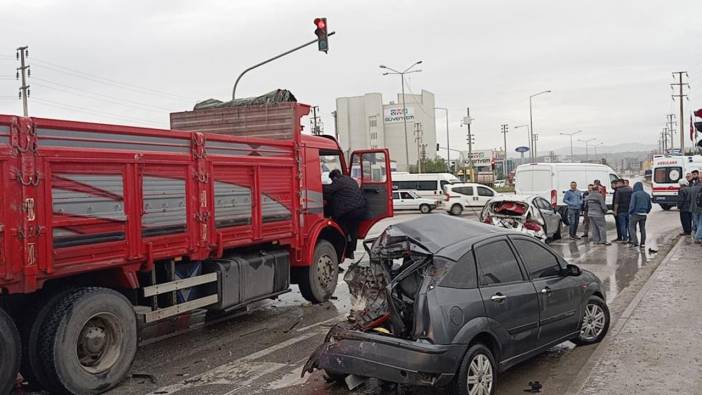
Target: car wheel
(456,209)
(10,351)
(318,281)
(424,209)
(595,322)
(478,372)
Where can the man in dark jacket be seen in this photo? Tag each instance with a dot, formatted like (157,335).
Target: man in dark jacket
(696,210)
(586,219)
(348,206)
(684,206)
(621,209)
(639,207)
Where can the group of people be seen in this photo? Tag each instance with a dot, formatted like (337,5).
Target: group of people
(631,207)
(690,205)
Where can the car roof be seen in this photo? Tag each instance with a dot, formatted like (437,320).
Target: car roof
(447,236)
(466,184)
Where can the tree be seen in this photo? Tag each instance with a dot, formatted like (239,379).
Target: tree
(437,165)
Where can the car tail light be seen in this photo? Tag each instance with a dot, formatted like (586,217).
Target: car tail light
(554,198)
(532,226)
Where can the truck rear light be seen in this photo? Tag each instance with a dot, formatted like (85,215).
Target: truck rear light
(554,198)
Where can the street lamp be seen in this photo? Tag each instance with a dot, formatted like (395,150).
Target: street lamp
(587,142)
(448,144)
(594,146)
(408,70)
(531,121)
(571,142)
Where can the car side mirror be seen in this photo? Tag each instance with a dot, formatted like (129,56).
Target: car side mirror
(572,270)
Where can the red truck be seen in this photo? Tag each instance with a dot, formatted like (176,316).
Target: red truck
(106,229)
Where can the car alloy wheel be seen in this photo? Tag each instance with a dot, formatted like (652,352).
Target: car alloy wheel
(480,377)
(594,322)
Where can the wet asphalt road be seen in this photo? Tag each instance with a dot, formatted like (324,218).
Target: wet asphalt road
(262,352)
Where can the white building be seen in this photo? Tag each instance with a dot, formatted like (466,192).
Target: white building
(365,122)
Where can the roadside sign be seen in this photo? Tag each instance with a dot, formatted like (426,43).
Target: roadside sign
(521,149)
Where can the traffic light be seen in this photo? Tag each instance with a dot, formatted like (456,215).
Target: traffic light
(321,32)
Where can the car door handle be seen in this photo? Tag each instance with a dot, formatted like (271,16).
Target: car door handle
(546,291)
(498,298)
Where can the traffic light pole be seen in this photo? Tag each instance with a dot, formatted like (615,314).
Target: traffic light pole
(272,59)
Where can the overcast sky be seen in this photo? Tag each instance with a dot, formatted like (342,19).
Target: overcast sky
(608,63)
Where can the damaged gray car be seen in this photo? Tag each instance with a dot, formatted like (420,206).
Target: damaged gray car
(451,303)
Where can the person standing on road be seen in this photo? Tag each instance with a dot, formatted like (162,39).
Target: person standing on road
(696,210)
(616,185)
(600,188)
(586,218)
(573,198)
(684,205)
(695,178)
(596,210)
(639,207)
(348,206)
(621,209)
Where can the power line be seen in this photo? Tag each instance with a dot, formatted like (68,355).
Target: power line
(99,96)
(70,107)
(102,80)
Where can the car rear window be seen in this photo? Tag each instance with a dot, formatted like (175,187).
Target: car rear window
(497,264)
(538,260)
(667,175)
(462,274)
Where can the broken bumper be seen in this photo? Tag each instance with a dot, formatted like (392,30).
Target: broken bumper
(386,358)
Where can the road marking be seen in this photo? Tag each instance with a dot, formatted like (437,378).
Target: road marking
(232,373)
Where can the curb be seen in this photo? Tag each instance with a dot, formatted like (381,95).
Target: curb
(578,384)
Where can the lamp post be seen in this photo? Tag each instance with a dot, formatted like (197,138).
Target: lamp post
(531,121)
(448,143)
(587,146)
(571,142)
(594,146)
(408,70)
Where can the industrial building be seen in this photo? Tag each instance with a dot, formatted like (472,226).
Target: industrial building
(365,121)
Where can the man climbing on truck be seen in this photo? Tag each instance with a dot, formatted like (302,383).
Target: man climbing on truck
(348,206)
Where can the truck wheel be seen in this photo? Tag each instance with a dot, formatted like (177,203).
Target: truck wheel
(456,209)
(32,327)
(424,209)
(89,341)
(666,207)
(318,281)
(10,353)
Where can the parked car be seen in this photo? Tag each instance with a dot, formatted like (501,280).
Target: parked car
(532,215)
(447,302)
(466,195)
(500,183)
(410,200)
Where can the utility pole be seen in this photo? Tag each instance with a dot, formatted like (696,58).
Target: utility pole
(448,138)
(535,136)
(315,121)
(467,121)
(680,84)
(22,55)
(670,129)
(504,131)
(587,146)
(419,139)
(664,140)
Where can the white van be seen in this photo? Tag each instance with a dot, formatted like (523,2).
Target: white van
(466,195)
(552,180)
(427,185)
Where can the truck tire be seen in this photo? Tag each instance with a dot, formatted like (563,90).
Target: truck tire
(89,341)
(666,207)
(456,209)
(318,281)
(10,353)
(32,327)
